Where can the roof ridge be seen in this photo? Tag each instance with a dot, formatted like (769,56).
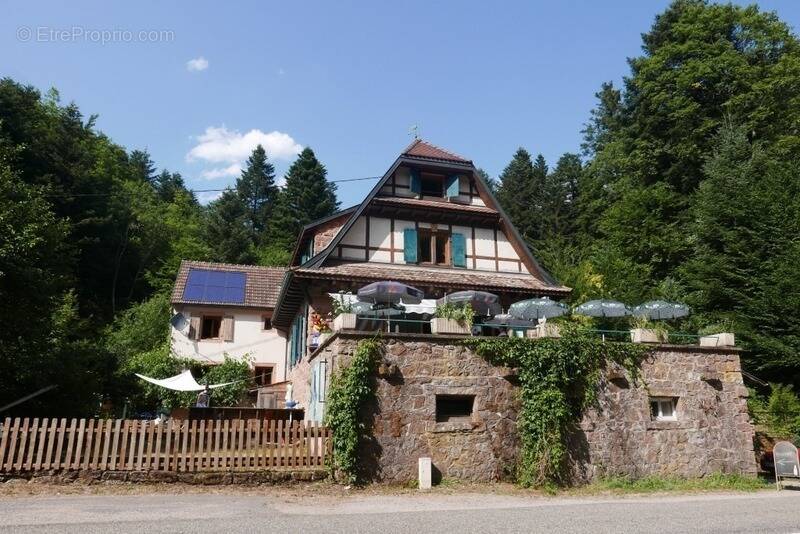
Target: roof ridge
(225,264)
(428,144)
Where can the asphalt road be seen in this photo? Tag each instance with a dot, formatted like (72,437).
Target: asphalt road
(766,511)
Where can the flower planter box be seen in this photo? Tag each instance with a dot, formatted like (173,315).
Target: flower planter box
(548,330)
(344,321)
(646,335)
(723,339)
(532,333)
(440,325)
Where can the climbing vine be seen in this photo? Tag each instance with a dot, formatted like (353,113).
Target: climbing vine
(558,379)
(351,388)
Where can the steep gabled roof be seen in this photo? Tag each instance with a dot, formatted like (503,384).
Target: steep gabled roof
(261,289)
(424,150)
(431,156)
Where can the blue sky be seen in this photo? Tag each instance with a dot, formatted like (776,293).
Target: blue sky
(348,79)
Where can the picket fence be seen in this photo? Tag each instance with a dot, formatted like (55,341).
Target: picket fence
(176,445)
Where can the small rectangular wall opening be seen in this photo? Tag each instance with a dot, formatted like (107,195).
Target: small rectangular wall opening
(664,408)
(454,408)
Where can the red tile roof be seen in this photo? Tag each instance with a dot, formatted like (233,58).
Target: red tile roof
(434,204)
(261,290)
(457,278)
(422,149)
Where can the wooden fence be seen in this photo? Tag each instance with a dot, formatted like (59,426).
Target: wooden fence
(175,445)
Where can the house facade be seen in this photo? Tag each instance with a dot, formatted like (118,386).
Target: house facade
(431,222)
(223,309)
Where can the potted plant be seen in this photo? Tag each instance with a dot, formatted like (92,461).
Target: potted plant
(718,335)
(320,331)
(644,331)
(452,319)
(343,316)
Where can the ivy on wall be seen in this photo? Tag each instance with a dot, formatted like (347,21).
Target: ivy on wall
(351,388)
(558,379)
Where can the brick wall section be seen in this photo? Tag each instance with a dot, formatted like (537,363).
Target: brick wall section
(325,233)
(713,432)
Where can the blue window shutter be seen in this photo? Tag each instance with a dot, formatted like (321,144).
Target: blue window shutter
(410,245)
(452,185)
(416,182)
(458,250)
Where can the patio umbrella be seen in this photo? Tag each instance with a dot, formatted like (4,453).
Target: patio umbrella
(661,309)
(533,309)
(483,303)
(390,293)
(603,308)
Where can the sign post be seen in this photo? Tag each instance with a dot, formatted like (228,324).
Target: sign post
(787,464)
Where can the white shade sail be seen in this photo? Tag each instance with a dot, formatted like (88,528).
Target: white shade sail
(182,382)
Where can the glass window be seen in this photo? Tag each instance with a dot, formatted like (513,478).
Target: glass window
(433,247)
(663,408)
(210,327)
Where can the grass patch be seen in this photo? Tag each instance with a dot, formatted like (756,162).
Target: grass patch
(653,484)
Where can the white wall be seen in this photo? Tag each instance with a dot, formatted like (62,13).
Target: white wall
(249,339)
(380,237)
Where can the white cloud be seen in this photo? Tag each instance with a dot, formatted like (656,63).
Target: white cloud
(234,169)
(197,64)
(220,145)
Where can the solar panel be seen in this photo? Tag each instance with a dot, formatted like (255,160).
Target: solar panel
(215,286)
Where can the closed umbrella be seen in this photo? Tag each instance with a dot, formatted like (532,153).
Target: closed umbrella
(541,308)
(661,309)
(389,292)
(603,308)
(483,303)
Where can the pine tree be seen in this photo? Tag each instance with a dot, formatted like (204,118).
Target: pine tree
(142,166)
(516,190)
(257,190)
(225,231)
(306,197)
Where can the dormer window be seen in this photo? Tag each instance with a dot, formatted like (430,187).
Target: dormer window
(432,185)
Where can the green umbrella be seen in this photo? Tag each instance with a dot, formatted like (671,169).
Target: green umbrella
(603,308)
(661,309)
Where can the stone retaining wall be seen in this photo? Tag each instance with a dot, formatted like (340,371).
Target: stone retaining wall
(712,433)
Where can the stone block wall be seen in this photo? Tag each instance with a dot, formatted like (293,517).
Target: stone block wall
(712,432)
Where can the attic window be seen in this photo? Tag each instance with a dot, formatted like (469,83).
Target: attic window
(432,185)
(454,408)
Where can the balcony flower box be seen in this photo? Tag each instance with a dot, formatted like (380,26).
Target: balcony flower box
(344,321)
(723,339)
(440,325)
(647,335)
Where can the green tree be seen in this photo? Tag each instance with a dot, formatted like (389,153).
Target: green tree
(257,190)
(225,231)
(516,190)
(306,197)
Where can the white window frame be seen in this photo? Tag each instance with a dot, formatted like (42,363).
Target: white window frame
(659,413)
